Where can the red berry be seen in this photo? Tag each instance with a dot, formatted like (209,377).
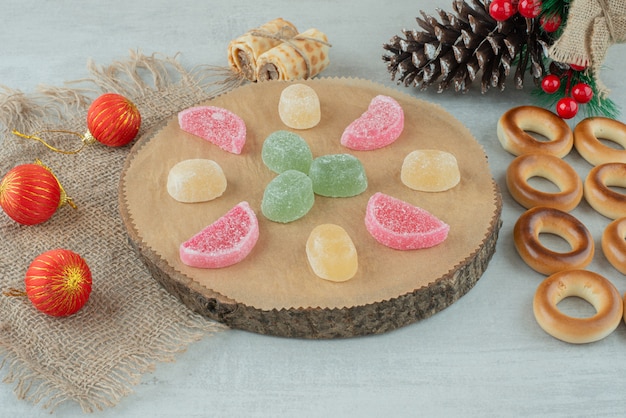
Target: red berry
(550,83)
(501,10)
(582,93)
(567,108)
(529,8)
(550,23)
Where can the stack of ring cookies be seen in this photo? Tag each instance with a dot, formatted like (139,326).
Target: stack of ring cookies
(548,213)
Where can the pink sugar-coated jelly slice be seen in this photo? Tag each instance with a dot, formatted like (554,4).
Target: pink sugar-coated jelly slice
(402,226)
(380,125)
(215,124)
(225,242)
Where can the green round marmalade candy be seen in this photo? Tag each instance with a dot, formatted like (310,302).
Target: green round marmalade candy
(288,197)
(284,150)
(338,175)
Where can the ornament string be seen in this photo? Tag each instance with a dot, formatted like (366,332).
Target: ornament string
(289,40)
(65,199)
(15,293)
(85,139)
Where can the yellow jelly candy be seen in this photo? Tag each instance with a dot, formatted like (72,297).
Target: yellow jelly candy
(430,170)
(196,180)
(331,253)
(299,107)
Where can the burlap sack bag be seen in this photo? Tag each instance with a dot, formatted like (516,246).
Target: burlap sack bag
(592,26)
(129,323)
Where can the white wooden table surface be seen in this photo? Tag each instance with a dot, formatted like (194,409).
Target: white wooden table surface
(483,356)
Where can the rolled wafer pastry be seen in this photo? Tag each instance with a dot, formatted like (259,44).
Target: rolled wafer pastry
(301,57)
(244,51)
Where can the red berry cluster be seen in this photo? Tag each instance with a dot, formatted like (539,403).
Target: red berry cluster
(581,93)
(502,10)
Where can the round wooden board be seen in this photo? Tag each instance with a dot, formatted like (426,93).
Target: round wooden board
(274,291)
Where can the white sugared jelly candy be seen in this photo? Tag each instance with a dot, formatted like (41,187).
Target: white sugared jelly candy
(196,180)
(430,170)
(331,253)
(299,107)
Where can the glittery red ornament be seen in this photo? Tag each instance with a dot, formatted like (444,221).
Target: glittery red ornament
(113,120)
(30,194)
(58,282)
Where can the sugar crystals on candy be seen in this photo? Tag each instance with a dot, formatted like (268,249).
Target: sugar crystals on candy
(331,253)
(430,170)
(299,107)
(338,175)
(284,150)
(288,197)
(400,225)
(215,124)
(380,125)
(225,242)
(196,180)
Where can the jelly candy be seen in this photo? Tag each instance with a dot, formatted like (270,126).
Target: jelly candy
(430,170)
(284,150)
(196,180)
(215,124)
(378,127)
(299,107)
(338,175)
(331,253)
(402,226)
(288,197)
(225,242)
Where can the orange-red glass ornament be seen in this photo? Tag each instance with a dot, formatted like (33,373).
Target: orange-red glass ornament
(30,194)
(58,282)
(113,120)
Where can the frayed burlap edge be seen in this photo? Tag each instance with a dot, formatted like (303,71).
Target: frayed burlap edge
(592,26)
(141,78)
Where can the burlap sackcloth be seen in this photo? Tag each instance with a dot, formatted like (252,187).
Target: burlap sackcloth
(592,26)
(129,323)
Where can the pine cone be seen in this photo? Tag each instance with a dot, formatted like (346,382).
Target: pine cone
(464,46)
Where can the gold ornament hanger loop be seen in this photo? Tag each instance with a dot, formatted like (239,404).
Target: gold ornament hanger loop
(85,139)
(65,199)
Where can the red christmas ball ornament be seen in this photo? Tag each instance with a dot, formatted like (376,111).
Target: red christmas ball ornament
(113,120)
(567,108)
(529,8)
(30,194)
(551,23)
(501,10)
(58,282)
(551,83)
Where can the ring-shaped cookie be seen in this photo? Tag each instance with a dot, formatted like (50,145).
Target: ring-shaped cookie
(614,244)
(587,135)
(540,220)
(593,288)
(605,201)
(551,168)
(514,123)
